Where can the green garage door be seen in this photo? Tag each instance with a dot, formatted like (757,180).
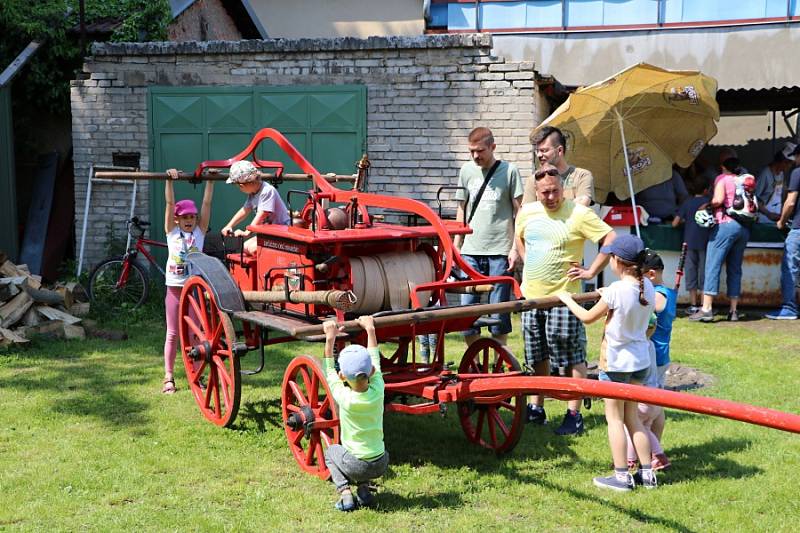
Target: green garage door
(190,125)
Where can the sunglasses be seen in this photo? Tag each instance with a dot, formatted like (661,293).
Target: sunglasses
(539,174)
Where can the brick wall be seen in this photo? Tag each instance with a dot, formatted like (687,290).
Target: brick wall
(424,96)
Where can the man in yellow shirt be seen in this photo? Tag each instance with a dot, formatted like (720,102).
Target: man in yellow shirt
(550,236)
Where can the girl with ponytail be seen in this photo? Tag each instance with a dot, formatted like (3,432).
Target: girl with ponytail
(625,356)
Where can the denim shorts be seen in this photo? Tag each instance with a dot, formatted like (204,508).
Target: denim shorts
(490,265)
(625,377)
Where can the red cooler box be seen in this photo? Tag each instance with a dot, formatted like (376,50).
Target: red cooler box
(622,215)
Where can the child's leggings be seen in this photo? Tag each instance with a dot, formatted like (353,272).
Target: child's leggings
(647,414)
(171,343)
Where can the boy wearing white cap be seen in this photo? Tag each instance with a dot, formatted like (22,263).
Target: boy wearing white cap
(358,390)
(262,198)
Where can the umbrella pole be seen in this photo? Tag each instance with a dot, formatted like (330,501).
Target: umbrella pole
(628,174)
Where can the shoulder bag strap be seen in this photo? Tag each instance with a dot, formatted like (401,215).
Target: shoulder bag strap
(483,188)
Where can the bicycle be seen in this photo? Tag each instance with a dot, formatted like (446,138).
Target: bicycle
(118,280)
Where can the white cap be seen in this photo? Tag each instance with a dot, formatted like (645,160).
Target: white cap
(242,172)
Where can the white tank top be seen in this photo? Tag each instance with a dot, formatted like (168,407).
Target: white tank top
(180,243)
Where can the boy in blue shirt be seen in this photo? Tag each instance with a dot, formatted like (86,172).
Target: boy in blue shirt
(666,309)
(696,239)
(358,390)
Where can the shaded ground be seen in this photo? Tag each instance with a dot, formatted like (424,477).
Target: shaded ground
(752,318)
(679,377)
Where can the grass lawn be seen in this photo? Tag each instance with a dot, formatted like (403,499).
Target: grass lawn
(87,442)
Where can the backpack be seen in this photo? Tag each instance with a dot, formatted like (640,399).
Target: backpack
(744,208)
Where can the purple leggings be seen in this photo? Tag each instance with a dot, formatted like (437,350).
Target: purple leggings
(171,343)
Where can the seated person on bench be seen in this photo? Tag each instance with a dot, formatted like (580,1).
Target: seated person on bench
(262,198)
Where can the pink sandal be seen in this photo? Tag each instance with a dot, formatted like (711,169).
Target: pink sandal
(660,462)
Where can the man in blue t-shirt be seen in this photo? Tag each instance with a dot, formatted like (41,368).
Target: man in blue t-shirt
(790,263)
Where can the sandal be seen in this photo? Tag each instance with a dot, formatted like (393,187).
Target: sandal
(169,387)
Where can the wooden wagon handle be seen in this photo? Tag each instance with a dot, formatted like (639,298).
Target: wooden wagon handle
(433,313)
(220,176)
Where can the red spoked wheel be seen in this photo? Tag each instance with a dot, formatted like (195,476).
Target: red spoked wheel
(208,345)
(309,414)
(494,422)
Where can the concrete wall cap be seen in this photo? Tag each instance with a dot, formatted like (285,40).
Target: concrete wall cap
(462,40)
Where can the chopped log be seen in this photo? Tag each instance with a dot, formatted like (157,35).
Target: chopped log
(52,328)
(79,309)
(31,318)
(8,337)
(10,270)
(14,309)
(8,289)
(77,291)
(73,331)
(19,281)
(45,296)
(55,314)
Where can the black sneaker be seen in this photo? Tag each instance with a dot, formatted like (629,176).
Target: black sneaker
(535,415)
(572,424)
(364,496)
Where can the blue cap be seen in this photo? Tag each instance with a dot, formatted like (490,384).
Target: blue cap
(627,247)
(354,360)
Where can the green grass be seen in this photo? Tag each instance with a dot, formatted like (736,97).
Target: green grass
(87,442)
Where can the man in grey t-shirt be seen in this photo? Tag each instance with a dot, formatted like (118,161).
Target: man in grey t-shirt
(489,249)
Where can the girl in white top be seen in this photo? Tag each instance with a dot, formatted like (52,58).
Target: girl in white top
(627,305)
(185,233)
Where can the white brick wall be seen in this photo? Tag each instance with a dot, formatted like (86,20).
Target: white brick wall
(424,96)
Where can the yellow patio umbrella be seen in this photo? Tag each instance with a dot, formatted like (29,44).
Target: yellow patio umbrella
(630,128)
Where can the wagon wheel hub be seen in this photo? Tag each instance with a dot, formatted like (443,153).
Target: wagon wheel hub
(201,351)
(303,419)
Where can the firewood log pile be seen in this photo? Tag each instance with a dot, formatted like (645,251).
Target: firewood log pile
(28,308)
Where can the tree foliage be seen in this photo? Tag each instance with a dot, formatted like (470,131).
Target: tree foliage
(43,85)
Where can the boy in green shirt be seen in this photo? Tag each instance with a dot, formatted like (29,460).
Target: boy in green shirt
(358,391)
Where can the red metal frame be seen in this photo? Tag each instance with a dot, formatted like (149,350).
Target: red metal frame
(482,391)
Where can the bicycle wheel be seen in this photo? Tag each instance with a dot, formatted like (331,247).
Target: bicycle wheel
(115,282)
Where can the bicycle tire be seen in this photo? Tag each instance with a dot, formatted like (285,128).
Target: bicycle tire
(103,290)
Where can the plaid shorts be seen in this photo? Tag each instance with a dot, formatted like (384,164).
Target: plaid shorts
(553,333)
